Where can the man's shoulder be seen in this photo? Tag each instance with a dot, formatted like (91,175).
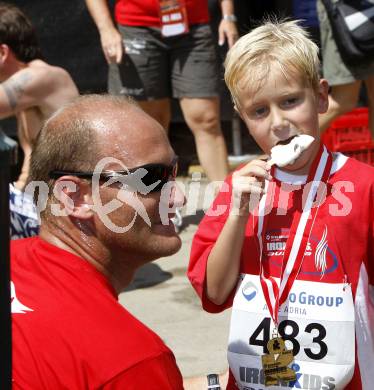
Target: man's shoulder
(146,353)
(41,65)
(19,246)
(48,86)
(38,80)
(42,69)
(162,371)
(126,330)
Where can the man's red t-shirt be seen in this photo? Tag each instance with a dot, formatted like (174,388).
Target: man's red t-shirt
(70,332)
(146,12)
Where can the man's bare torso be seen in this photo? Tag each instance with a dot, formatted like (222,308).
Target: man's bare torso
(33,94)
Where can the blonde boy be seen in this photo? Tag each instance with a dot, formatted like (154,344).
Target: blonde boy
(293,254)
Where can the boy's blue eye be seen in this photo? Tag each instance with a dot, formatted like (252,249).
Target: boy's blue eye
(290,101)
(259,111)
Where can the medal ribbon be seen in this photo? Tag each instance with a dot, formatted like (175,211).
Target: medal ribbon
(301,227)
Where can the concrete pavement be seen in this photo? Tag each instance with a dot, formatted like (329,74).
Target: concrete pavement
(162,297)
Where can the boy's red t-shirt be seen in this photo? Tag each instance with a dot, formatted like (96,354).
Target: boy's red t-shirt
(349,253)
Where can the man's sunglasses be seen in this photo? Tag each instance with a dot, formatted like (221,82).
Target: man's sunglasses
(145,178)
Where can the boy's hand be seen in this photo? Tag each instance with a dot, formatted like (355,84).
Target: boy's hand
(248,186)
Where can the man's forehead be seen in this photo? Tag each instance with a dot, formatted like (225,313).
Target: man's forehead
(135,146)
(114,122)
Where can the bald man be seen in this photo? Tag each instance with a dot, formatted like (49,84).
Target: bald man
(111,197)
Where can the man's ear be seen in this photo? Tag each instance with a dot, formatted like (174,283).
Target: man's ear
(74,196)
(323,96)
(4,52)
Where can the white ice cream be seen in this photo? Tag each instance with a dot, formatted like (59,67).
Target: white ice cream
(282,155)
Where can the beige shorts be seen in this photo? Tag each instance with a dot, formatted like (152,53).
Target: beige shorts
(334,69)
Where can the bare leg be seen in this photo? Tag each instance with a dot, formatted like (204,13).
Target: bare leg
(369,83)
(203,118)
(158,109)
(342,99)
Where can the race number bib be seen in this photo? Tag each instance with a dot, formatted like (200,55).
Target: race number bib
(316,322)
(173,16)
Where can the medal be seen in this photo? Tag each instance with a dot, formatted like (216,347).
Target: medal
(275,364)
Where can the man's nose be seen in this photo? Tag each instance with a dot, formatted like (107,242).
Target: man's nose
(172,198)
(177,198)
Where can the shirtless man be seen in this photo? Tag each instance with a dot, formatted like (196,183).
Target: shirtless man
(30,89)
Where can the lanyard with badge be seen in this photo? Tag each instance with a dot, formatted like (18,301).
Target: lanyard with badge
(173,17)
(275,363)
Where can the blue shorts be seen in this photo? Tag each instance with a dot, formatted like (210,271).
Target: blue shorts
(23,216)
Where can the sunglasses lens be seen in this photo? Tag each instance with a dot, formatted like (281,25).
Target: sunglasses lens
(161,174)
(155,174)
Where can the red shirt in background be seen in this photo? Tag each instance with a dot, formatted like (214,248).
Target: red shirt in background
(146,12)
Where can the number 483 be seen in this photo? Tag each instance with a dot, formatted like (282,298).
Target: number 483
(291,336)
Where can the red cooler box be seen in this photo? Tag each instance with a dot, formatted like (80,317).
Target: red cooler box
(350,134)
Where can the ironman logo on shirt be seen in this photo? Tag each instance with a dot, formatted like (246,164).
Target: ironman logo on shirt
(319,259)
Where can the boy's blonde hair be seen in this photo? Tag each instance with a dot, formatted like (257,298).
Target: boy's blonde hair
(282,43)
